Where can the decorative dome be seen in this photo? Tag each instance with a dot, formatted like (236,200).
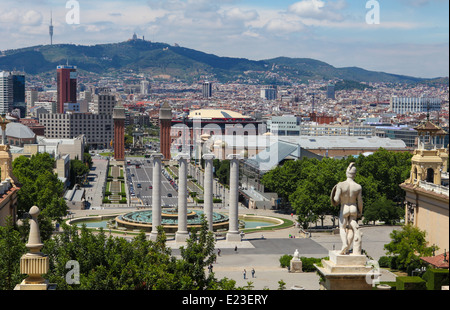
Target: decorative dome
(18,131)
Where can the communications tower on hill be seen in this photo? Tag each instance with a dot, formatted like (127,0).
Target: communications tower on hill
(50,28)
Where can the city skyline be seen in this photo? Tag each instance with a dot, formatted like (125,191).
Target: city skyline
(411,38)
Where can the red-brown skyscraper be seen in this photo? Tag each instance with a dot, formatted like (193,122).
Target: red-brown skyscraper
(165,123)
(66,79)
(119,132)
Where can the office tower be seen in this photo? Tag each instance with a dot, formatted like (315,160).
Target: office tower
(18,89)
(331,91)
(207,90)
(269,92)
(6,92)
(145,87)
(66,86)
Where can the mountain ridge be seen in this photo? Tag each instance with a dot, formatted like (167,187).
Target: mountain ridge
(184,63)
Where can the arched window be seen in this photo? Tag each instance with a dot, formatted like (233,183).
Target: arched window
(415,173)
(430,175)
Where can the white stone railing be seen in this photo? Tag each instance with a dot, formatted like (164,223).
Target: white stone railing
(439,189)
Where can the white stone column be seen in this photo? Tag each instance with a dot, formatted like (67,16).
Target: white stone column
(156,195)
(208,190)
(182,233)
(233,230)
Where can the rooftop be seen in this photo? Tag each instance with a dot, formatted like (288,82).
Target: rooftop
(216,114)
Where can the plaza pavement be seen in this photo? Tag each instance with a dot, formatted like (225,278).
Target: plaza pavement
(261,254)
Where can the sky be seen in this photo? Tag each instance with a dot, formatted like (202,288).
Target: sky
(410,37)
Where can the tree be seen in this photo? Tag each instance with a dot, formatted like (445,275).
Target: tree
(383,209)
(198,254)
(40,186)
(11,250)
(408,245)
(78,170)
(113,263)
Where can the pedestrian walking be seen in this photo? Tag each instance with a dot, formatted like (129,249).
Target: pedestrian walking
(218,252)
(235,249)
(253,272)
(245,274)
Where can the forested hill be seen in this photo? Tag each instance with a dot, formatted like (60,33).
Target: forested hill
(182,63)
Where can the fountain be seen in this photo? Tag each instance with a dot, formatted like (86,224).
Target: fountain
(142,220)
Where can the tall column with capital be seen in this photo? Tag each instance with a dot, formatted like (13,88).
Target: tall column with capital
(156,195)
(233,230)
(182,233)
(208,189)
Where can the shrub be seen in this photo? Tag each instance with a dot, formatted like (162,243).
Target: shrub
(436,278)
(385,261)
(308,263)
(393,263)
(285,260)
(410,283)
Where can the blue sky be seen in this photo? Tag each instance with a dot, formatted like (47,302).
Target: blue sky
(412,37)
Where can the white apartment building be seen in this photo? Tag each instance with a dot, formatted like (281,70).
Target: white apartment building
(287,125)
(337,130)
(6,91)
(403,105)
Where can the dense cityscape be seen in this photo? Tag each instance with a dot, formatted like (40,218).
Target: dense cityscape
(136,179)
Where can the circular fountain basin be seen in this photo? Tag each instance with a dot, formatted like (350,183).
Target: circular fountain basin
(142,220)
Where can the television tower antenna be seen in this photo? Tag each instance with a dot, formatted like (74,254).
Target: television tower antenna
(50,28)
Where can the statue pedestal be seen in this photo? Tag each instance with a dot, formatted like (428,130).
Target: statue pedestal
(296,266)
(345,272)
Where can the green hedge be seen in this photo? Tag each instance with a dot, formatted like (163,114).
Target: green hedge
(436,278)
(410,283)
(285,260)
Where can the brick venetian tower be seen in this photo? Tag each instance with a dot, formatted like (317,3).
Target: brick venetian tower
(165,123)
(119,132)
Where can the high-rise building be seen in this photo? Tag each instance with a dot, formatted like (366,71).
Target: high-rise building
(31,97)
(18,89)
(6,92)
(331,91)
(269,93)
(207,90)
(145,87)
(104,102)
(66,86)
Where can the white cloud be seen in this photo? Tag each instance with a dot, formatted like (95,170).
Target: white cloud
(32,18)
(282,26)
(318,9)
(240,15)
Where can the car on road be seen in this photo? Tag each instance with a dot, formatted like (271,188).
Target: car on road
(139,185)
(169,195)
(150,187)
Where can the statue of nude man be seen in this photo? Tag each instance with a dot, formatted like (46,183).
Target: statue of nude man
(349,195)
